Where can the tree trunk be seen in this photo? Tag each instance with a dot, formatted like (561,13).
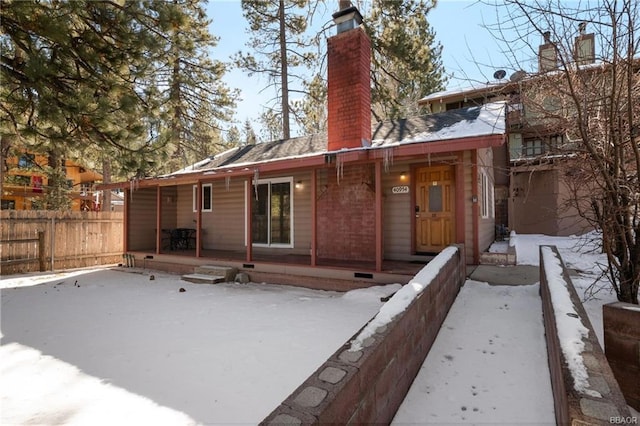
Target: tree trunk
(284,77)
(106,178)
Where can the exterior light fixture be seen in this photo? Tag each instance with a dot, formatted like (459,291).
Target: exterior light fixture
(299,184)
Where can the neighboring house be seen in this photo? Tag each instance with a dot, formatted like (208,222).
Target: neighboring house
(532,195)
(24,181)
(362,194)
(117,201)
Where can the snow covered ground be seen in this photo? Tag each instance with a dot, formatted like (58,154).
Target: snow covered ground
(488,363)
(582,254)
(109,347)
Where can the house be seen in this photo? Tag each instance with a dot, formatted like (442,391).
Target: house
(532,192)
(360,196)
(24,181)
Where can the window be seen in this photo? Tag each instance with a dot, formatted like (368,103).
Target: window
(207,197)
(272,213)
(532,147)
(21,180)
(486,207)
(27,161)
(540,146)
(8,205)
(86,187)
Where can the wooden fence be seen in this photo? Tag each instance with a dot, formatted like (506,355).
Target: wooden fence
(32,240)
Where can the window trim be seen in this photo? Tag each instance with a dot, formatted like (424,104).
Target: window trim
(269,181)
(487,208)
(195,201)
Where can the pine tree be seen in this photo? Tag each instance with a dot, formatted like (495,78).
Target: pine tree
(233,136)
(278,47)
(99,80)
(71,75)
(205,139)
(271,129)
(191,79)
(311,110)
(406,63)
(249,134)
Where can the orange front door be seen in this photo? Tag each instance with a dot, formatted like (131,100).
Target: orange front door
(435,208)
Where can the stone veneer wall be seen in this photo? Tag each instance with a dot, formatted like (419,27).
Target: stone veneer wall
(572,406)
(368,386)
(622,347)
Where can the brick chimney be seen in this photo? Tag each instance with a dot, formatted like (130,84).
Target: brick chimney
(349,84)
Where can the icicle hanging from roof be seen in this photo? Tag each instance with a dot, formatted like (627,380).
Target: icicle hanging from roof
(227,182)
(339,167)
(387,159)
(134,183)
(256,177)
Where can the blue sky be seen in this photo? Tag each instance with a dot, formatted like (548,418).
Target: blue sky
(470,52)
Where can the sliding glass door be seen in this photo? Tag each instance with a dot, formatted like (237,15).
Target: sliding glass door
(272,210)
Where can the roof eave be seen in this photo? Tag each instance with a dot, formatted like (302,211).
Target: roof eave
(219,173)
(319,160)
(441,146)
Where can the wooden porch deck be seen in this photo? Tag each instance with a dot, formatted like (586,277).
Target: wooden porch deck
(388,266)
(332,274)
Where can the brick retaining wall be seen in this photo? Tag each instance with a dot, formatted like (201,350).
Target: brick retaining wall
(573,406)
(622,347)
(368,385)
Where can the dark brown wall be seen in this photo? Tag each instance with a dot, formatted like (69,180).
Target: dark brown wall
(622,347)
(142,219)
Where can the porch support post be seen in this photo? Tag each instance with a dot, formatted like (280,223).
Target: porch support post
(461,200)
(198,218)
(158,218)
(125,220)
(314,217)
(378,216)
(249,237)
(475,206)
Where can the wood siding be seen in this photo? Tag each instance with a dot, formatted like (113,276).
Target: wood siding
(142,219)
(224,227)
(468,212)
(397,213)
(486,226)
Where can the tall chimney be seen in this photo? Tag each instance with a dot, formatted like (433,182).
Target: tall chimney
(547,55)
(349,81)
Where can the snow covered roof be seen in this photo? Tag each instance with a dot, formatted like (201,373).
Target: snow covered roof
(461,90)
(484,120)
(263,152)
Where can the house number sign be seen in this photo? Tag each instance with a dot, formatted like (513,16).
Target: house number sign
(402,189)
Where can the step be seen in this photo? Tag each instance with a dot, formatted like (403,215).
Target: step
(227,272)
(497,259)
(204,278)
